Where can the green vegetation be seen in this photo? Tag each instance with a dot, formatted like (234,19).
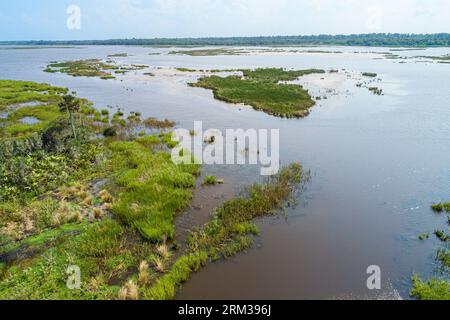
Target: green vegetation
(152,189)
(261,89)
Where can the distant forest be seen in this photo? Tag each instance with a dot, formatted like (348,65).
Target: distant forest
(379,39)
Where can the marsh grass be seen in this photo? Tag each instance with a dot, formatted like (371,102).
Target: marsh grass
(152,189)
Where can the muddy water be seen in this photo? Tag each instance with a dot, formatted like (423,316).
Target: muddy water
(378,162)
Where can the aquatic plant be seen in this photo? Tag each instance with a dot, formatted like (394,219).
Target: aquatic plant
(210,180)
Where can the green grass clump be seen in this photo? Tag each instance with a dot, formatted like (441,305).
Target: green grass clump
(210,181)
(261,89)
(152,189)
(370,74)
(441,235)
(440,207)
(434,289)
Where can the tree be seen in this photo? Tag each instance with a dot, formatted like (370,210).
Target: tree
(71,105)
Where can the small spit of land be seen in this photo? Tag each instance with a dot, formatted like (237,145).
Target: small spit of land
(263,90)
(98,190)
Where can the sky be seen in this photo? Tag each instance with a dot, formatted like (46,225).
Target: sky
(112,19)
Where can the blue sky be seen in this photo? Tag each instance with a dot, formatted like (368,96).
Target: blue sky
(105,19)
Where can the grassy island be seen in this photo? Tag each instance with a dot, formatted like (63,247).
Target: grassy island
(263,90)
(92,68)
(98,191)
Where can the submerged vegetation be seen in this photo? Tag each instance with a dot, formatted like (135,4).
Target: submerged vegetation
(261,89)
(106,205)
